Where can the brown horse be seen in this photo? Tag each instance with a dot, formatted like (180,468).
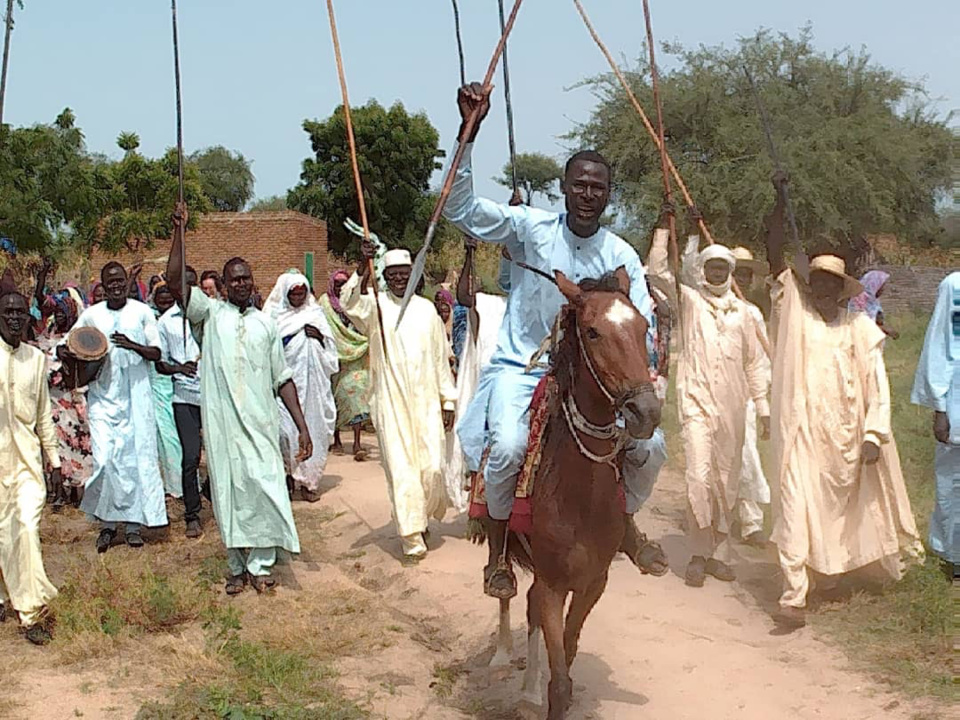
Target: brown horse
(603,397)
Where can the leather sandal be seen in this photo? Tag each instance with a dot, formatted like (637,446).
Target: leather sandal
(650,559)
(262,583)
(236,584)
(720,570)
(696,572)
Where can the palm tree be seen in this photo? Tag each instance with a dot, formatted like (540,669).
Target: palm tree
(8,22)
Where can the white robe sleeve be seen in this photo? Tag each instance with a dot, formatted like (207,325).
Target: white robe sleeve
(756,364)
(360,307)
(441,361)
(46,430)
(877,424)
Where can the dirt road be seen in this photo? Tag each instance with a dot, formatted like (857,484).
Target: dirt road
(411,644)
(653,648)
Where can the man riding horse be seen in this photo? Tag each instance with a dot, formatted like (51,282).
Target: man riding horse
(572,242)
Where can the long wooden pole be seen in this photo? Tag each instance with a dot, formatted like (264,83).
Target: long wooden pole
(643,116)
(351,140)
(664,160)
(456,25)
(468,129)
(656,139)
(181,230)
(511,137)
(8,29)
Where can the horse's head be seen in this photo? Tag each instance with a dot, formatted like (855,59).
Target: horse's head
(610,335)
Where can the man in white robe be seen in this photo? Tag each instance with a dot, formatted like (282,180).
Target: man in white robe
(126,486)
(311,354)
(719,371)
(842,497)
(754,488)
(413,396)
(937,386)
(26,429)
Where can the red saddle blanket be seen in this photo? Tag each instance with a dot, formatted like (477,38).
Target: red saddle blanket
(521,519)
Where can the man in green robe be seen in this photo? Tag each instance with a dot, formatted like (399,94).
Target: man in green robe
(244,370)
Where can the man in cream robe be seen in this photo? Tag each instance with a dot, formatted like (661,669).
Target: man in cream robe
(25,429)
(937,386)
(413,396)
(843,501)
(720,369)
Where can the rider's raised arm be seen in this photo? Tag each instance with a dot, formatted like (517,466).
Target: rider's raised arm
(484,219)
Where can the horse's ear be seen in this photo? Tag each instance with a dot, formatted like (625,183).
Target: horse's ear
(571,291)
(623,279)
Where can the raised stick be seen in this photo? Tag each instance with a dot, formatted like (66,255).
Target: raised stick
(181,230)
(469,127)
(511,137)
(351,140)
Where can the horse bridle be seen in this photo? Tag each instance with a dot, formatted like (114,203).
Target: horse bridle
(577,423)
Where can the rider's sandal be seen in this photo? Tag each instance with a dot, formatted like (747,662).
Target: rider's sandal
(502,583)
(651,559)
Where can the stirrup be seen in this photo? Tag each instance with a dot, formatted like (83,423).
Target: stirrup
(503,569)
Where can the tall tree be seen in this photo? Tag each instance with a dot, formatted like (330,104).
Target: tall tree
(399,153)
(274,203)
(7,32)
(226,178)
(537,174)
(866,150)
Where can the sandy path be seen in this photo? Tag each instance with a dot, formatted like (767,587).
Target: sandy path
(653,648)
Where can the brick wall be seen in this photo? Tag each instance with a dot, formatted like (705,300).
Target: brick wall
(910,288)
(272,242)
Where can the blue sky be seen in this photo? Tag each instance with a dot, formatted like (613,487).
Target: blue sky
(253,71)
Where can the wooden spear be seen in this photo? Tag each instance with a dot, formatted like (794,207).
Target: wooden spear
(351,140)
(456,25)
(471,124)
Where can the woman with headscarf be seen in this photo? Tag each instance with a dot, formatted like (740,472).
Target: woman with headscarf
(168,441)
(351,386)
(69,407)
(874,283)
(311,355)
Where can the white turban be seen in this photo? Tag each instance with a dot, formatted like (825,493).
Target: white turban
(717,252)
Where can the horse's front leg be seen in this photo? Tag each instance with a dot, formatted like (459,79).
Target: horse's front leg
(532,693)
(580,607)
(504,653)
(559,691)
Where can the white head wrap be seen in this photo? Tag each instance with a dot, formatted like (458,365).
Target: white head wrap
(717,252)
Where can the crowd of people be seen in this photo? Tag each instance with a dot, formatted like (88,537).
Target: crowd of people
(263,389)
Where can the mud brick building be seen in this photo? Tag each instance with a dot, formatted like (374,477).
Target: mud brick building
(272,242)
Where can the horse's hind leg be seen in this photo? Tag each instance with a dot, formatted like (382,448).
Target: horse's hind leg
(532,693)
(580,607)
(551,620)
(504,653)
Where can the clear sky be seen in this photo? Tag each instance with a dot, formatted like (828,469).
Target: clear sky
(253,71)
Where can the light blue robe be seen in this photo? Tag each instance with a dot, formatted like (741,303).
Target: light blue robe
(937,386)
(498,415)
(126,485)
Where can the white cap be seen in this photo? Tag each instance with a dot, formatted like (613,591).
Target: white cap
(393,258)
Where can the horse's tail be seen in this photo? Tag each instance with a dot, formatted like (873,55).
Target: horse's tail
(519,549)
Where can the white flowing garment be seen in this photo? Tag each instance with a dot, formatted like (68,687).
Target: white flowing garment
(126,485)
(754,487)
(410,388)
(312,365)
(478,348)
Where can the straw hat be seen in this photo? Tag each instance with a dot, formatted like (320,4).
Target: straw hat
(836,266)
(745,259)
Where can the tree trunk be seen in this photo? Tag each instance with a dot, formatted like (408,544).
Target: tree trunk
(6,56)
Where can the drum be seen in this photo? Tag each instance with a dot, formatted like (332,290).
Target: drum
(86,348)
(87,344)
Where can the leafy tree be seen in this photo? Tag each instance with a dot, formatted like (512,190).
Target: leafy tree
(128,141)
(140,196)
(398,153)
(226,178)
(865,149)
(50,189)
(536,174)
(269,204)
